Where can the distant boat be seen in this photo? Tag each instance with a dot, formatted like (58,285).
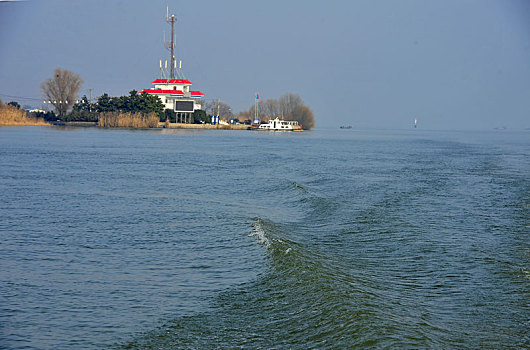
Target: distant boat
(346,127)
(500,128)
(415,123)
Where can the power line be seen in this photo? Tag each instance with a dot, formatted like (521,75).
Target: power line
(22,97)
(36,99)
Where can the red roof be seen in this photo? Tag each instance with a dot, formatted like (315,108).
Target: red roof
(171,92)
(159,91)
(172,81)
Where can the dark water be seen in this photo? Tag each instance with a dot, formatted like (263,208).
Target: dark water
(219,239)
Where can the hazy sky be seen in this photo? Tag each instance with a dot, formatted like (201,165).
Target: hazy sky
(451,64)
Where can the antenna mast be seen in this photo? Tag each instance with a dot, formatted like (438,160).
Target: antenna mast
(171,44)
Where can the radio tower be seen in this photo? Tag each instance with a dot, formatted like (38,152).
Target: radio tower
(171,44)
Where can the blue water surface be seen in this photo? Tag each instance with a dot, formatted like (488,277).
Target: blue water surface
(322,239)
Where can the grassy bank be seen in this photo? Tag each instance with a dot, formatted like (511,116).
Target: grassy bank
(10,115)
(127,120)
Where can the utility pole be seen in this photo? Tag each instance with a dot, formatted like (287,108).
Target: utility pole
(90,101)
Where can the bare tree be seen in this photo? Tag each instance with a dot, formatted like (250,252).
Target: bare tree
(62,90)
(304,116)
(288,102)
(208,106)
(270,108)
(225,111)
(211,107)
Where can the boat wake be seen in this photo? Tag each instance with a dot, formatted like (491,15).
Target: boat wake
(302,298)
(341,274)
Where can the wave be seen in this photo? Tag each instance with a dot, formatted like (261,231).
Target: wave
(342,277)
(309,296)
(305,299)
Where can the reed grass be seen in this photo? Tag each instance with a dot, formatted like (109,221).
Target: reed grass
(127,120)
(10,115)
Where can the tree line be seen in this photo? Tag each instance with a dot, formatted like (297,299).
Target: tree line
(132,103)
(62,89)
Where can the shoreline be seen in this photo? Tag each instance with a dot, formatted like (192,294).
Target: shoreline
(203,126)
(161,125)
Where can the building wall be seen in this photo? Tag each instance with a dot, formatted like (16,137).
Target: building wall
(169,102)
(171,87)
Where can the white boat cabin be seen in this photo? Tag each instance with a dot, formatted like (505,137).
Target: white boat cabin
(280,125)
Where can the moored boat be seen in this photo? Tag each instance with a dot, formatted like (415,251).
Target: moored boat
(279,125)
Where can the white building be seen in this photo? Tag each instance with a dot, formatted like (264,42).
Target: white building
(176,96)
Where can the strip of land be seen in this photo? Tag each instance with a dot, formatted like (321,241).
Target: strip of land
(203,126)
(162,125)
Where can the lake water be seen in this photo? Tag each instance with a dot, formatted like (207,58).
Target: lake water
(220,239)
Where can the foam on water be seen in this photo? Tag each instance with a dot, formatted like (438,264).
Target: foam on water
(259,233)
